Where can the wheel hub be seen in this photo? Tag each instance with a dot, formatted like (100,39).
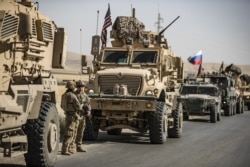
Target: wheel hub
(52,137)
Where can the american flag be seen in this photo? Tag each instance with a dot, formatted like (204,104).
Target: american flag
(107,23)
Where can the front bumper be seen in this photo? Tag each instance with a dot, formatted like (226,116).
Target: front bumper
(123,103)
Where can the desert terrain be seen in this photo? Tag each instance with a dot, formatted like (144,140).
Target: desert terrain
(73,62)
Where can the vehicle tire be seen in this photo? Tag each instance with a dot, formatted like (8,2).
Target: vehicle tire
(116,131)
(176,130)
(43,137)
(218,113)
(227,110)
(186,116)
(213,114)
(158,124)
(91,130)
(242,107)
(239,106)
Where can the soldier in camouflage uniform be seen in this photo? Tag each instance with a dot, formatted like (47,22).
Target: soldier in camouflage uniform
(85,102)
(71,105)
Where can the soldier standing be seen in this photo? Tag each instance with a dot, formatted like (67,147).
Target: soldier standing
(85,102)
(71,105)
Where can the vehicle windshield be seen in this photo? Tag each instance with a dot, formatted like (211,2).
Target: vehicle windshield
(115,57)
(222,82)
(144,57)
(212,91)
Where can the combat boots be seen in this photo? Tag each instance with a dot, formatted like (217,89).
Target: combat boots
(80,149)
(72,148)
(66,153)
(65,149)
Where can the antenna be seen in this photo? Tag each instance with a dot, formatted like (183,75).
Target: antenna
(159,20)
(97,22)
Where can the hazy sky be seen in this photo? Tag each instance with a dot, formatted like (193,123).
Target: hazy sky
(220,28)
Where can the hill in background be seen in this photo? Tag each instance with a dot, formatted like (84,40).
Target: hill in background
(73,62)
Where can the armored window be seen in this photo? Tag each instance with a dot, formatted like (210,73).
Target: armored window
(220,81)
(144,57)
(115,57)
(189,90)
(207,90)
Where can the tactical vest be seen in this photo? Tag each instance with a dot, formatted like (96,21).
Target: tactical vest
(70,102)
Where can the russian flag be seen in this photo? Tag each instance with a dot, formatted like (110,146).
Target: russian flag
(196,59)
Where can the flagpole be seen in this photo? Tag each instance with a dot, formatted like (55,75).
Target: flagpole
(97,22)
(80,52)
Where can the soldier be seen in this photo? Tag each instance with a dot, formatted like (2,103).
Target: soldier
(71,105)
(85,102)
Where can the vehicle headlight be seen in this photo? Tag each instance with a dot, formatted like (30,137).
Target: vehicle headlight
(91,91)
(149,105)
(149,93)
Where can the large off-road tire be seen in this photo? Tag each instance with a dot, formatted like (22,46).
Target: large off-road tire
(176,130)
(91,130)
(243,106)
(248,106)
(158,124)
(116,131)
(218,113)
(43,137)
(213,114)
(185,116)
(227,110)
(240,106)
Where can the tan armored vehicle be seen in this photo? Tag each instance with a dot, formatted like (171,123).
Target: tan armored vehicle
(30,45)
(135,83)
(245,79)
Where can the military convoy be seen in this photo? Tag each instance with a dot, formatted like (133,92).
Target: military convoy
(134,84)
(231,88)
(30,45)
(201,99)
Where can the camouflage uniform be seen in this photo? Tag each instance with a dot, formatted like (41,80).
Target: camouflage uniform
(71,105)
(85,102)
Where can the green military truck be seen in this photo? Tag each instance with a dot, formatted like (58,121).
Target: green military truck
(201,99)
(134,84)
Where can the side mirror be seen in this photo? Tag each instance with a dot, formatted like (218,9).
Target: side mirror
(84,61)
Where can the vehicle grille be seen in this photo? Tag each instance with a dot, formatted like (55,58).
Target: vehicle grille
(195,101)
(107,83)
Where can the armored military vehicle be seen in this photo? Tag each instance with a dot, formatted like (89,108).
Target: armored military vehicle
(228,92)
(246,89)
(30,45)
(201,99)
(234,72)
(135,84)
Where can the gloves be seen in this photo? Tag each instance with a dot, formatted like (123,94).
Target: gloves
(86,110)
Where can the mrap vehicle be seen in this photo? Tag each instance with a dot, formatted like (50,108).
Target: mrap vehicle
(30,46)
(134,84)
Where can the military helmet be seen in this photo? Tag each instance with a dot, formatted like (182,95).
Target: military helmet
(80,83)
(71,85)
